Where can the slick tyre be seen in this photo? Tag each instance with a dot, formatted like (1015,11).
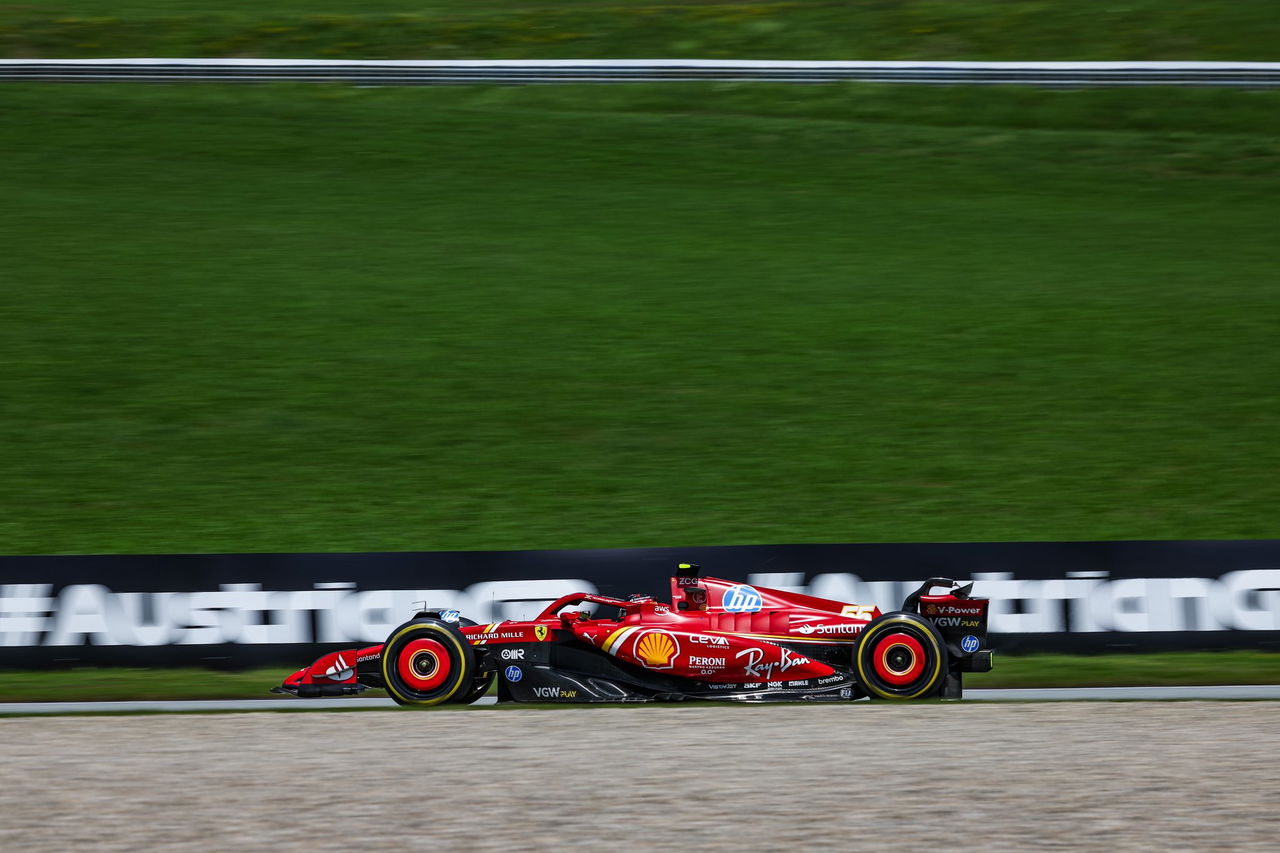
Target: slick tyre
(427,662)
(900,656)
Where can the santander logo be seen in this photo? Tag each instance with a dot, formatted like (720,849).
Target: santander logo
(339,671)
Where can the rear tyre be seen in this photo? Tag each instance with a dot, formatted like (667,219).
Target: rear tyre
(427,662)
(900,656)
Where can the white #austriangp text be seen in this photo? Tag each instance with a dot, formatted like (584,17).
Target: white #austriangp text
(1083,602)
(30,615)
(79,614)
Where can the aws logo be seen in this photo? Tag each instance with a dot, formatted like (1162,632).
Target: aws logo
(657,649)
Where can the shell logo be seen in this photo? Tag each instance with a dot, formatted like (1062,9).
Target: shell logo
(657,650)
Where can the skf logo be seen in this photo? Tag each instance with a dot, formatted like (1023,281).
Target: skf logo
(540,631)
(657,650)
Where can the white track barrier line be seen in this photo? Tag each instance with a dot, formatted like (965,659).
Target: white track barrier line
(527,71)
(1065,694)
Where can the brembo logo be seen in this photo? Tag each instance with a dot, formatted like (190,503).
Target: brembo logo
(657,649)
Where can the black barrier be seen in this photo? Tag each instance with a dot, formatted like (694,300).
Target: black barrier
(247,609)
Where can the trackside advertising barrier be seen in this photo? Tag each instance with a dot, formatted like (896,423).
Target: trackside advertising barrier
(247,609)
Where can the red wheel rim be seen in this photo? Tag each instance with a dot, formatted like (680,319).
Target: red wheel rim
(899,659)
(423,664)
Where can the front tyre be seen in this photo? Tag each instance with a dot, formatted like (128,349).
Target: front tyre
(900,656)
(427,662)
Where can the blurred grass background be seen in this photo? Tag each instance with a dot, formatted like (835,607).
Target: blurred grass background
(745,29)
(315,319)
(281,318)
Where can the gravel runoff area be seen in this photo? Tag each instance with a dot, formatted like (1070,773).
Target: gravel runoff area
(1096,776)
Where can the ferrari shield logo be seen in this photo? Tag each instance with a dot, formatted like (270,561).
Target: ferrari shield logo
(540,631)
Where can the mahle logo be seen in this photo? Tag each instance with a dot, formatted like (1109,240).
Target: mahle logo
(657,650)
(743,599)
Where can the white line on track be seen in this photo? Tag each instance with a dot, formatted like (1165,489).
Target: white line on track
(1231,692)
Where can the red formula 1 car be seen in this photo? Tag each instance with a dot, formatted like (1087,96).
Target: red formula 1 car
(718,639)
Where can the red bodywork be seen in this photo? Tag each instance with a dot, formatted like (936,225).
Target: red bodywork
(716,638)
(704,639)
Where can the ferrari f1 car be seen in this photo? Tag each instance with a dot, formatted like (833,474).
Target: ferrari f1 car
(717,639)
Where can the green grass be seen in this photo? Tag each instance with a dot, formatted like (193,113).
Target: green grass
(1180,668)
(804,29)
(1153,670)
(337,319)
(129,684)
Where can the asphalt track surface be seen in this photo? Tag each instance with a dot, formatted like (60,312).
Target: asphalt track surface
(1063,694)
(1191,775)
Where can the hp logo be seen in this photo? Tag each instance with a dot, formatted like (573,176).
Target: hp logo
(743,599)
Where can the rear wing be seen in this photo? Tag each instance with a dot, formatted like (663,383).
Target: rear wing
(960,618)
